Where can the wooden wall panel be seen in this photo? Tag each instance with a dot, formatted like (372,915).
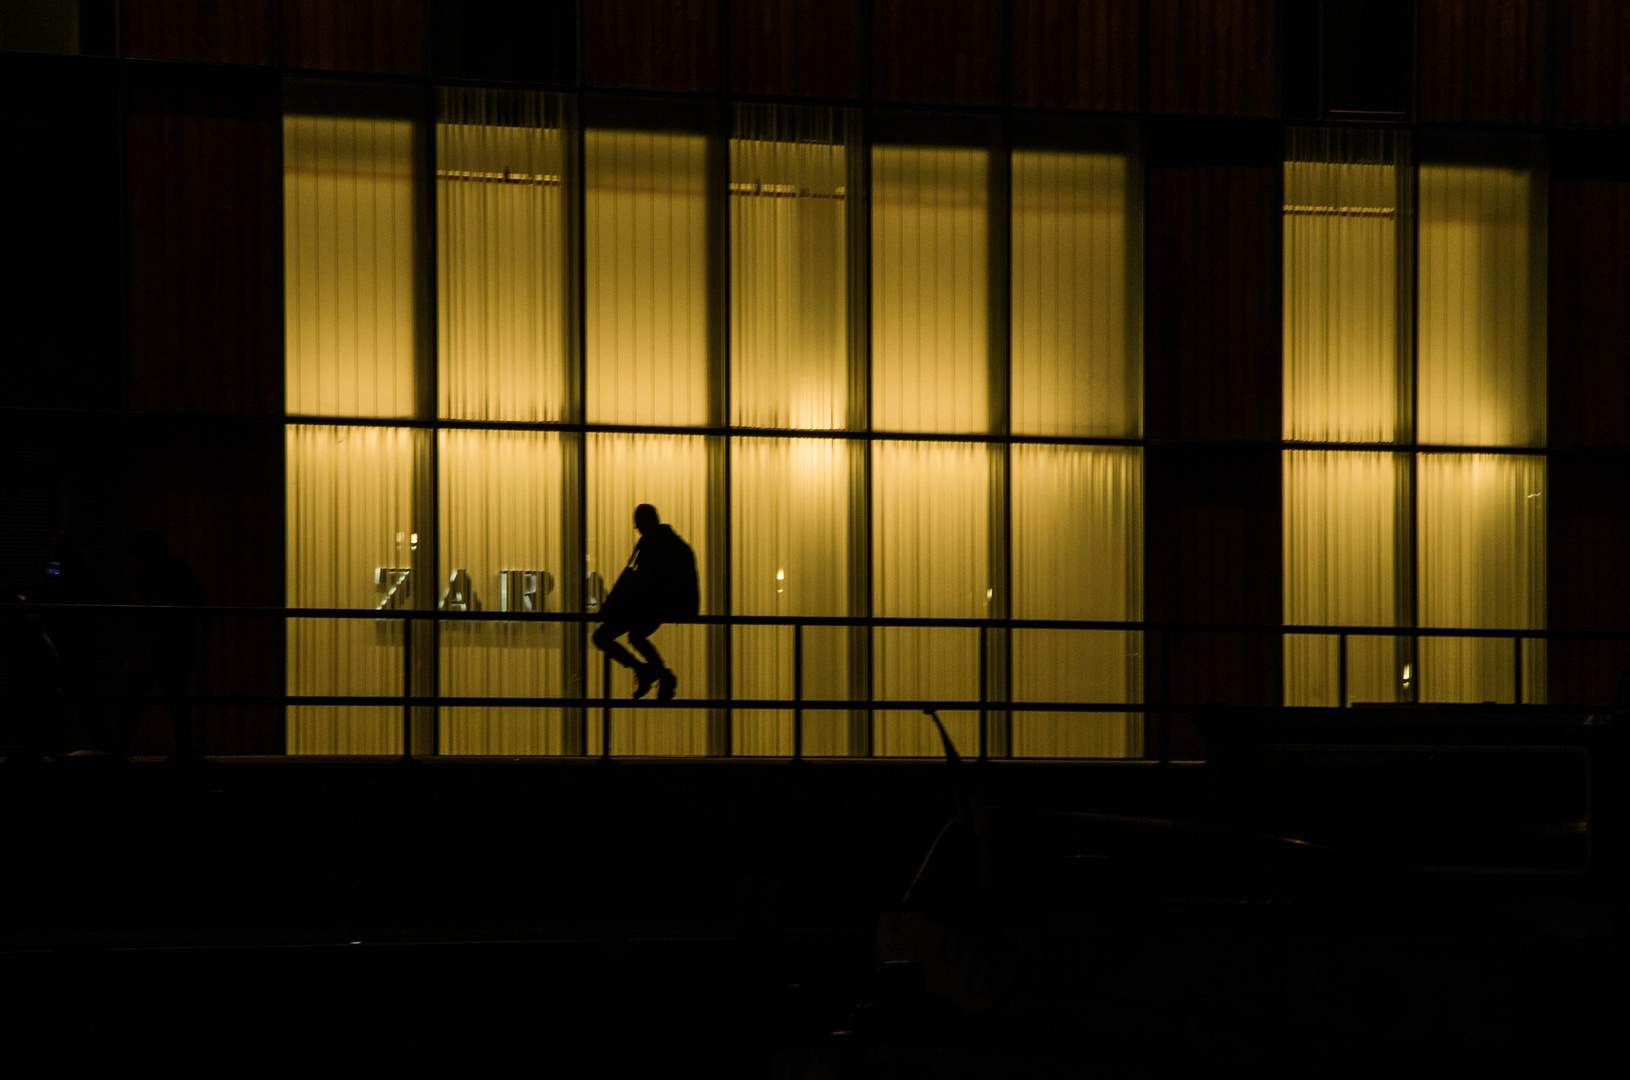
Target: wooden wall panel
(941,52)
(1214,57)
(1077,54)
(652,44)
(1589,354)
(1482,61)
(1212,295)
(59,122)
(1591,77)
(205,243)
(814,48)
(213,488)
(386,36)
(1589,576)
(209,31)
(1211,555)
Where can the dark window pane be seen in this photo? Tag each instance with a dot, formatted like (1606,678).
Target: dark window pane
(1368,56)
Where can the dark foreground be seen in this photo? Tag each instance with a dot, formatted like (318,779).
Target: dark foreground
(504,917)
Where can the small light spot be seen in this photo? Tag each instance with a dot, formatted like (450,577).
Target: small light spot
(780,575)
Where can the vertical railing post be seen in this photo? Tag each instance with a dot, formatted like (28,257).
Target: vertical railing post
(1516,668)
(1341,671)
(407,687)
(984,693)
(798,691)
(605,711)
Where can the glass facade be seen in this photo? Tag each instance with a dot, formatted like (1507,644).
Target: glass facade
(790,337)
(1414,413)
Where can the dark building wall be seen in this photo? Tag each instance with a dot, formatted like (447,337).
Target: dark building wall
(203,31)
(204,177)
(1070,55)
(798,47)
(944,52)
(1591,81)
(1218,57)
(652,44)
(388,37)
(1483,61)
(1589,363)
(1212,374)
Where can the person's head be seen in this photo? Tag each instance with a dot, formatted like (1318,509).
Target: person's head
(645,518)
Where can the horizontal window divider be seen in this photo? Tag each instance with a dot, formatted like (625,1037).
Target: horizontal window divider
(715,430)
(1414,448)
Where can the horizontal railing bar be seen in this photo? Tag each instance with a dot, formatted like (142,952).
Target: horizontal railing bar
(1418,713)
(420,614)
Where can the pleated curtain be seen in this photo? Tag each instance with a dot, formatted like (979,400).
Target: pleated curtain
(1366,533)
(646,279)
(501,261)
(501,510)
(789,349)
(350,515)
(930,271)
(348,259)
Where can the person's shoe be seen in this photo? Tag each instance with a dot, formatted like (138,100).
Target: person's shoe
(667,681)
(644,676)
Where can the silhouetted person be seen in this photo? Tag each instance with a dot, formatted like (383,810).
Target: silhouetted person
(658,584)
(167,651)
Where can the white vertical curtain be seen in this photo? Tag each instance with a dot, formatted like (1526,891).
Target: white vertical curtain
(1077,554)
(1482,566)
(350,515)
(502,270)
(1340,558)
(1341,380)
(1077,340)
(646,268)
(348,265)
(930,544)
(790,541)
(501,503)
(930,272)
(789,351)
(671,473)
(1481,307)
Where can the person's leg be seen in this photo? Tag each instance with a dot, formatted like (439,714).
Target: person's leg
(605,637)
(639,636)
(666,680)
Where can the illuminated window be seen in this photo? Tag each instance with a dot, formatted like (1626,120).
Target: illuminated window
(789,284)
(1426,535)
(501,256)
(508,328)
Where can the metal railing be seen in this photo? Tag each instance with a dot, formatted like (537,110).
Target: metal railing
(986,705)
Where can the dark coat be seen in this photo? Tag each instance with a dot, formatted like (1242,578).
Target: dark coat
(660,579)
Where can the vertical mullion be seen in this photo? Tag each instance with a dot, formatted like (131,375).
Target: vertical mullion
(574,489)
(1407,528)
(859,233)
(426,402)
(720,652)
(999,248)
